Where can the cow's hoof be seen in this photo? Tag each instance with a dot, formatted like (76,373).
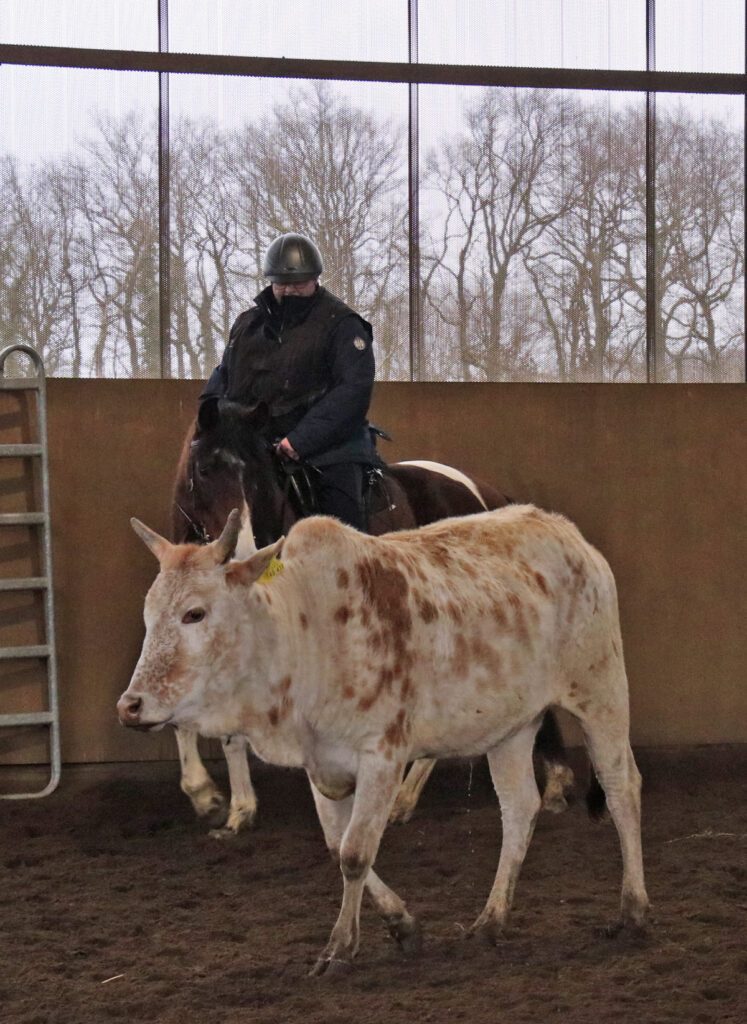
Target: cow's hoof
(632,931)
(486,932)
(408,935)
(331,967)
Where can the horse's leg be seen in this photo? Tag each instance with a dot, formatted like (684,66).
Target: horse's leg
(243,808)
(411,788)
(558,774)
(206,798)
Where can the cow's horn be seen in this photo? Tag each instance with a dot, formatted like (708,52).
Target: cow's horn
(225,545)
(157,544)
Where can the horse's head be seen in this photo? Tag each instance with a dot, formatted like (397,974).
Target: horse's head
(228,462)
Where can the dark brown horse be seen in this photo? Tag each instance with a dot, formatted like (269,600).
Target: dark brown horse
(228,462)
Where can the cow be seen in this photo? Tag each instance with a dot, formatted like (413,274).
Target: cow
(355,654)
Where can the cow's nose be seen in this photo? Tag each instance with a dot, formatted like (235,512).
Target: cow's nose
(129,709)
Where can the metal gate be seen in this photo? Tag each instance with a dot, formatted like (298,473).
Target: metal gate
(39,522)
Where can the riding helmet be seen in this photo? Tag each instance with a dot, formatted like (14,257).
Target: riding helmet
(292,258)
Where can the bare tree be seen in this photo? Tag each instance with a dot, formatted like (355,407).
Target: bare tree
(495,183)
(119,208)
(331,170)
(580,266)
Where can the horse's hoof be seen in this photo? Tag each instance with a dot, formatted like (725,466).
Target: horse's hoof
(242,821)
(401,814)
(225,833)
(408,935)
(211,805)
(555,804)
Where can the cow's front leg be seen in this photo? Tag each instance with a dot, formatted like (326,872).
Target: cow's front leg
(243,809)
(204,795)
(376,786)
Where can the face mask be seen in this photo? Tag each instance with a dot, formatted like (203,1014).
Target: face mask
(294,307)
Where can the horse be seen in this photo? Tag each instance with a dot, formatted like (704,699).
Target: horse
(227,462)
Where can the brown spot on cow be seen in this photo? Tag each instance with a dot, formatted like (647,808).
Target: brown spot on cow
(426,609)
(343,578)
(455,612)
(396,733)
(383,685)
(304,621)
(541,583)
(279,712)
(500,615)
(385,590)
(439,553)
(348,692)
(342,615)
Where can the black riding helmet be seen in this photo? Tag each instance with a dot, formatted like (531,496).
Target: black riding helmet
(291,258)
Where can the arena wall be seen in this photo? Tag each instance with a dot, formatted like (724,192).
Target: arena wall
(654,475)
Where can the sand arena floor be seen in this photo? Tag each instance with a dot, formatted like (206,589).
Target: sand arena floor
(117,905)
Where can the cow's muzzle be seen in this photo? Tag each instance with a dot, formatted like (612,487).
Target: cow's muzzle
(130,709)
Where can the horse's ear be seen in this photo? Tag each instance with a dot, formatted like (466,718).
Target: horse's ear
(157,544)
(208,414)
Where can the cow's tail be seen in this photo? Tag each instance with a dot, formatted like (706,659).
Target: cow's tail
(596,801)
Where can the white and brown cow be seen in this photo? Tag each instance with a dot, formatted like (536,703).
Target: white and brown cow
(365,653)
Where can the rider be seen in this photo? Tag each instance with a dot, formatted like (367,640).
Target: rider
(309,358)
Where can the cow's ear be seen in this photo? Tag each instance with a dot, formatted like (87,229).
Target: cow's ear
(250,569)
(224,547)
(157,544)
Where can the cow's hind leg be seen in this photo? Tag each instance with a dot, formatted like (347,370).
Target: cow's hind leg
(411,788)
(242,811)
(206,798)
(618,773)
(512,772)
(352,829)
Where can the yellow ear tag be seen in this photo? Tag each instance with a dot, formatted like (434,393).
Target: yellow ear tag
(272,569)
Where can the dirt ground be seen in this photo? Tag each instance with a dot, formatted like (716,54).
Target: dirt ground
(116,904)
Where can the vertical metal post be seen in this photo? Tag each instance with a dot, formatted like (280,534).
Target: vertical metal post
(653,367)
(413,150)
(164,261)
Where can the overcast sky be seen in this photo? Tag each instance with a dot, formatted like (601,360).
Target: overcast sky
(45,110)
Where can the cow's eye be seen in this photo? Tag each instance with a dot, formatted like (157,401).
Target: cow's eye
(193,615)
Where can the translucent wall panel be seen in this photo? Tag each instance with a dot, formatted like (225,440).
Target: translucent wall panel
(700,238)
(364,30)
(533,33)
(253,158)
(79,219)
(99,24)
(700,35)
(532,235)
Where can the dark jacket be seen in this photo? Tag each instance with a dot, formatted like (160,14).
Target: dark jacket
(311,362)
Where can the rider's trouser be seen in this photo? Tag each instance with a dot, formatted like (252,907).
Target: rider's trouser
(341,493)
